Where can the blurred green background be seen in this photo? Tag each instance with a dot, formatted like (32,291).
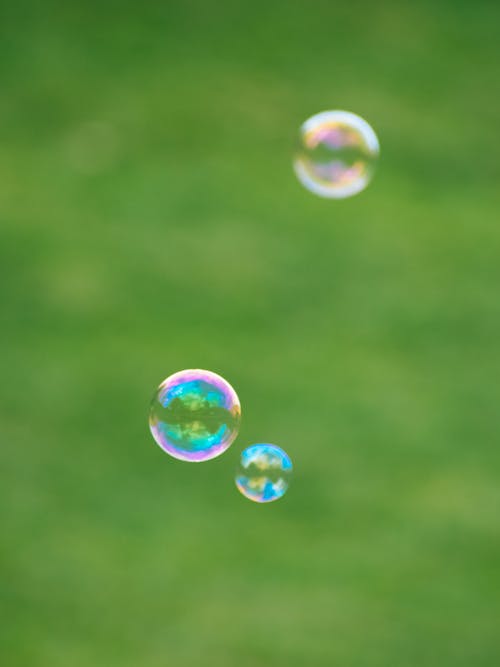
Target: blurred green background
(150,221)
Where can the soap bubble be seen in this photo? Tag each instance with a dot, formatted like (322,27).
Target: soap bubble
(337,154)
(264,473)
(195,415)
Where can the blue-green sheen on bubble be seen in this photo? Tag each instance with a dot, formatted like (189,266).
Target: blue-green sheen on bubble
(264,473)
(337,154)
(195,415)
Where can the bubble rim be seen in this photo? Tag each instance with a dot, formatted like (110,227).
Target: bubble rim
(285,457)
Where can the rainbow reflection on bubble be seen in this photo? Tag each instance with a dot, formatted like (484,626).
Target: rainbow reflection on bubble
(337,155)
(264,473)
(195,415)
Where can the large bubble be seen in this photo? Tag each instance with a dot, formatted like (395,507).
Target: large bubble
(337,155)
(264,473)
(195,415)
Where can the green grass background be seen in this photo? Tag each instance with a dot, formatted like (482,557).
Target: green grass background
(150,221)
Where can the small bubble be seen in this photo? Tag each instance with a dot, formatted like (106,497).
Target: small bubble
(337,155)
(264,473)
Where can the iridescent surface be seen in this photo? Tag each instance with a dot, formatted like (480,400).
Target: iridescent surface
(337,155)
(195,415)
(264,473)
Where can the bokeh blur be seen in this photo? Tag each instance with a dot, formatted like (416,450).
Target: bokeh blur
(150,221)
